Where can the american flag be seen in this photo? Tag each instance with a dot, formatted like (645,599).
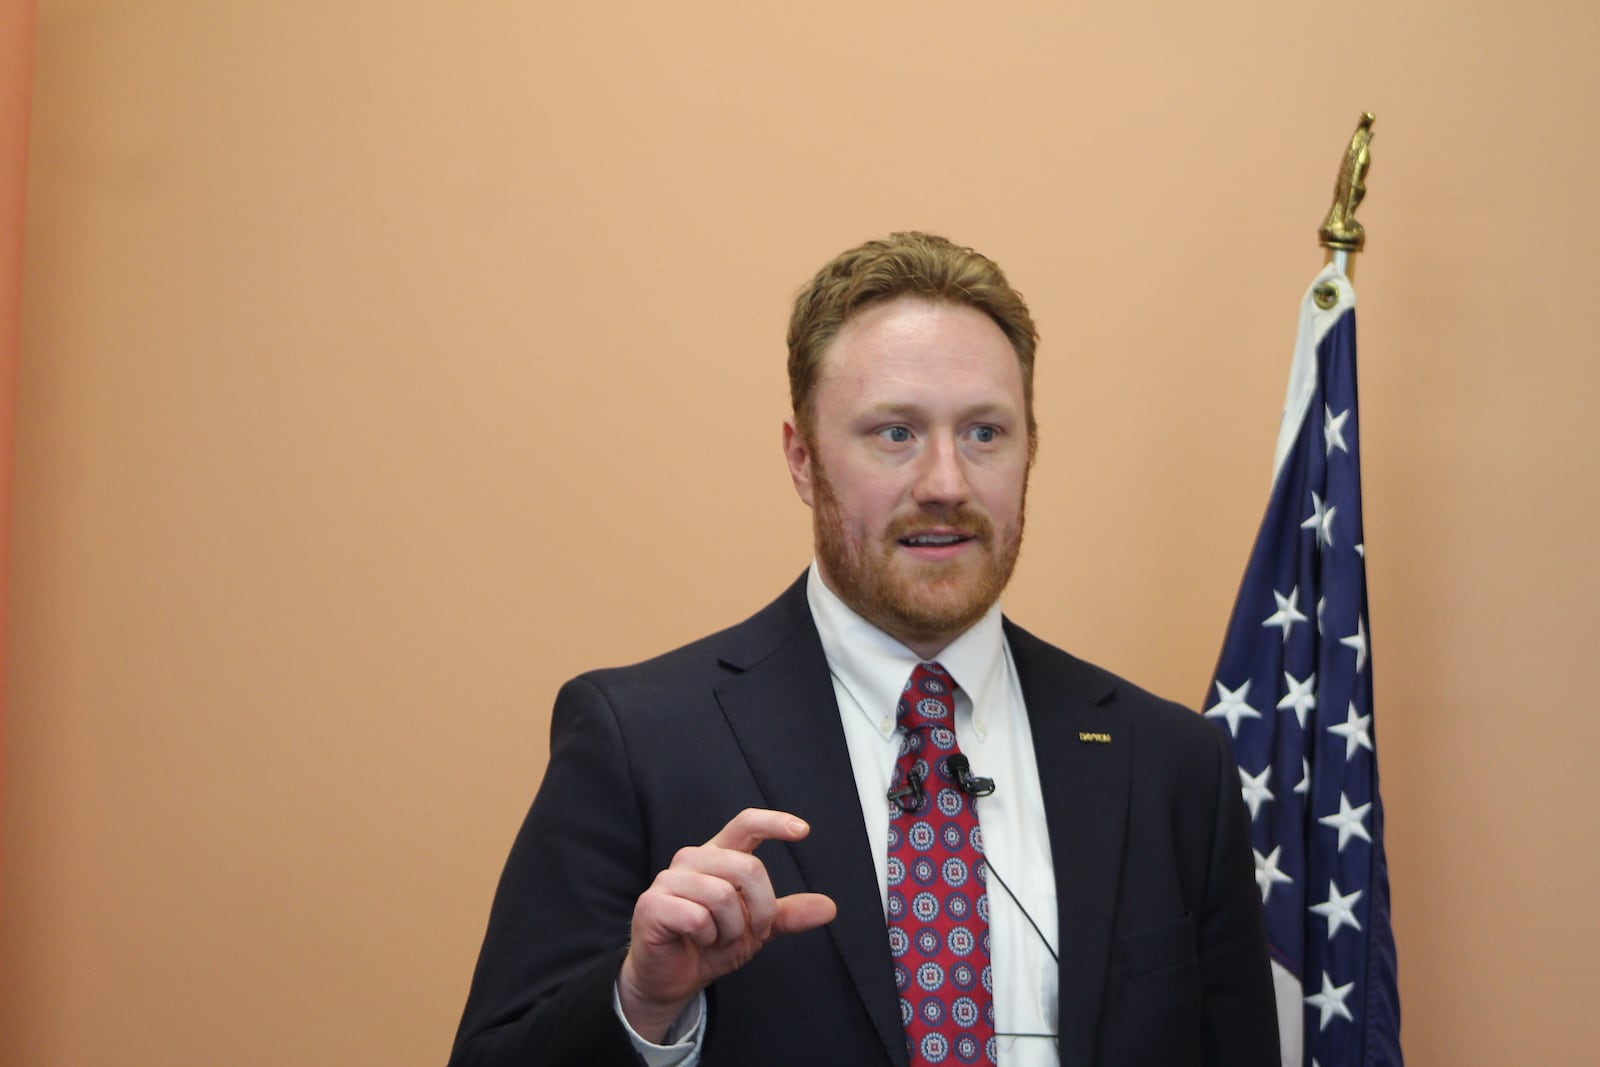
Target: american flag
(1293,689)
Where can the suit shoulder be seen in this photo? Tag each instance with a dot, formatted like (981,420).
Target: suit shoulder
(700,662)
(1156,718)
(1160,713)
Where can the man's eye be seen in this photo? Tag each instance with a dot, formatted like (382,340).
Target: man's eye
(984,434)
(897,434)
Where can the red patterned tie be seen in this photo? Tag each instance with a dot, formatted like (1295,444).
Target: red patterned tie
(938,907)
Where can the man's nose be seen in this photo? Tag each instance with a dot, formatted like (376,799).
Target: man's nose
(942,477)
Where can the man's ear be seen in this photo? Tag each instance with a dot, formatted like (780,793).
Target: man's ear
(798,454)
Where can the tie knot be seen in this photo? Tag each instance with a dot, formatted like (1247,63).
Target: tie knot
(928,699)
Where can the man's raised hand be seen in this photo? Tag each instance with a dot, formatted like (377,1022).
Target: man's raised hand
(707,915)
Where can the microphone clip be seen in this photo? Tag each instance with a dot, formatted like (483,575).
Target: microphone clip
(969,783)
(911,796)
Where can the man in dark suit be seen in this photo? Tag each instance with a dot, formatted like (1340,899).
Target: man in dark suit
(741,853)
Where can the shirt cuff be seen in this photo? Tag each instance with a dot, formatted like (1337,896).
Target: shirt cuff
(683,1037)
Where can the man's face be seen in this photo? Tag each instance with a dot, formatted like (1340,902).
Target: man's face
(916,467)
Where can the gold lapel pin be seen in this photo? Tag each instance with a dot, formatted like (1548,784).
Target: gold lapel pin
(1093,738)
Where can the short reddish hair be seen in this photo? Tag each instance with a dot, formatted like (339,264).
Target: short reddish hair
(903,264)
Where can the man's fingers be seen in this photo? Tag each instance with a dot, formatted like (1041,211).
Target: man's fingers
(799,912)
(746,875)
(709,911)
(706,915)
(713,909)
(666,913)
(752,826)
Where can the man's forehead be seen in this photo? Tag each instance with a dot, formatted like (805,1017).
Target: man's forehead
(909,314)
(907,335)
(924,370)
(913,319)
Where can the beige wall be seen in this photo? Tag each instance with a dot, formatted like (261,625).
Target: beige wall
(385,363)
(16,70)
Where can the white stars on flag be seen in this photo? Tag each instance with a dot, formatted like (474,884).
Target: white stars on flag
(1331,1001)
(1231,706)
(1320,520)
(1288,612)
(1254,788)
(1356,731)
(1339,910)
(1267,873)
(1350,822)
(1302,696)
(1358,641)
(1333,429)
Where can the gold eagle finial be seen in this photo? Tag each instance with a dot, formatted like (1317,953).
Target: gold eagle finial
(1340,230)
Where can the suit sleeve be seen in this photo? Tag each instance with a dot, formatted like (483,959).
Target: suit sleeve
(1239,1015)
(558,929)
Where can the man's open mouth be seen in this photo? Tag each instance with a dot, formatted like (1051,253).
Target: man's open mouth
(934,540)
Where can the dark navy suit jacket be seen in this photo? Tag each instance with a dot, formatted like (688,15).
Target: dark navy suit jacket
(1163,953)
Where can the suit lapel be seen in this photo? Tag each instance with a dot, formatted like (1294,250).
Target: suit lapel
(780,706)
(781,709)
(1084,749)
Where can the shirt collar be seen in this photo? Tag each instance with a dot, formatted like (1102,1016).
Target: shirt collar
(873,667)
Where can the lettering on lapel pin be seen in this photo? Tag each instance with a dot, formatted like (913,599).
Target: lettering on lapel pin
(1092,738)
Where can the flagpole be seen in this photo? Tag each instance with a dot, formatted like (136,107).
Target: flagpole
(1297,704)
(1340,233)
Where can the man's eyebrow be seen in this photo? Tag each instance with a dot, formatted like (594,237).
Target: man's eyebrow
(904,409)
(992,409)
(892,409)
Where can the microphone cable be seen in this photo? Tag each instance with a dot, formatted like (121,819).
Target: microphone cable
(976,787)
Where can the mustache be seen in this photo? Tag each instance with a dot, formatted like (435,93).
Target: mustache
(962,518)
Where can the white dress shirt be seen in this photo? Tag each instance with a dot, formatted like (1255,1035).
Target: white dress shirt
(869,669)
